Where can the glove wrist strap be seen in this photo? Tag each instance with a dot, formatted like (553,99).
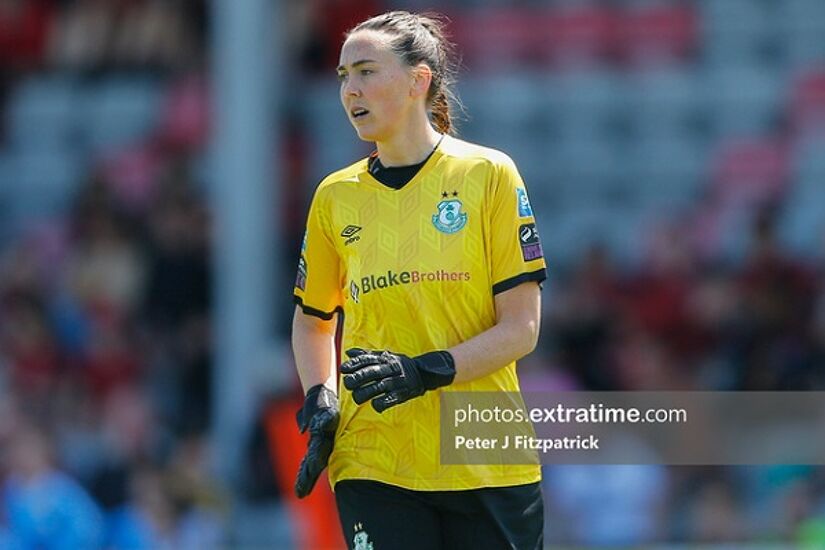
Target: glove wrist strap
(318,398)
(437,369)
(322,396)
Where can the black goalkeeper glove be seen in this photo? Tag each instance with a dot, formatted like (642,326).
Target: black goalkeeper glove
(320,415)
(390,379)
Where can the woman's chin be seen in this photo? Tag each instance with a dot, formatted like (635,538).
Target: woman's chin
(368,132)
(365,134)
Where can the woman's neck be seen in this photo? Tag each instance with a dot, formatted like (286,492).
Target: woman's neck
(409,148)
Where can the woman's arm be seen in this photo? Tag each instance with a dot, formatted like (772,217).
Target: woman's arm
(313,343)
(518,317)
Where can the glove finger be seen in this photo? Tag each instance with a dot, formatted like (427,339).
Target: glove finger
(306,479)
(366,375)
(362,394)
(312,465)
(365,391)
(359,362)
(390,399)
(352,353)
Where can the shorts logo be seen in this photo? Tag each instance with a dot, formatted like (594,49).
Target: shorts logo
(361,540)
(450,218)
(354,291)
(528,238)
(350,234)
(524,208)
(301,277)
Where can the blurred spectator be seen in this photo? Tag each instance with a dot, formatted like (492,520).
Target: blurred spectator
(155,518)
(29,346)
(176,305)
(581,320)
(44,507)
(94,35)
(186,114)
(713,515)
(778,294)
(178,285)
(111,361)
(106,269)
(153,34)
(607,505)
(24,32)
(147,520)
(83,35)
(656,298)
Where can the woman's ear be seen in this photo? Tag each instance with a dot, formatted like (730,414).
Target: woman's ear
(422,77)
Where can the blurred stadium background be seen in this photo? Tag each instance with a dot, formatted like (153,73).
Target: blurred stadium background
(675,155)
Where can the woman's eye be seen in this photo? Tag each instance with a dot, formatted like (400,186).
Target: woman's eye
(341,77)
(366,71)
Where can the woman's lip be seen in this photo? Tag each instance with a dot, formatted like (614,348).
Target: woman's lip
(359,118)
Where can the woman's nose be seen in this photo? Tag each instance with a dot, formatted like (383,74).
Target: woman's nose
(351,89)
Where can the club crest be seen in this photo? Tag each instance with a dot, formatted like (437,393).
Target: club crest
(361,540)
(450,218)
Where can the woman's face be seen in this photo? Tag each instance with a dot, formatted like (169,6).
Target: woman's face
(376,86)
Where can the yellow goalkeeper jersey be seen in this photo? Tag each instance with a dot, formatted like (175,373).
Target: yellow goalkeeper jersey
(413,270)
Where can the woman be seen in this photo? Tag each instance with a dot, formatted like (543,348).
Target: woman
(429,249)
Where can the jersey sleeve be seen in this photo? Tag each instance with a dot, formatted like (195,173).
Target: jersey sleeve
(317,284)
(517,255)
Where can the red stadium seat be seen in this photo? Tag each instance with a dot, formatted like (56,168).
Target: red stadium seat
(807,108)
(494,38)
(574,35)
(499,37)
(750,172)
(579,34)
(656,34)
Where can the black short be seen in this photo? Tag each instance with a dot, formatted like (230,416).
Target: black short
(391,517)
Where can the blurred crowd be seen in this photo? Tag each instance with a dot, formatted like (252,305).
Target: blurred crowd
(105,297)
(105,358)
(105,304)
(676,323)
(101,35)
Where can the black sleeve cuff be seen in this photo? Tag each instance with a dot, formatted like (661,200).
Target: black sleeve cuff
(538,276)
(315,312)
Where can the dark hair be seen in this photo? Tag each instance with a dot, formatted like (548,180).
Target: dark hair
(420,38)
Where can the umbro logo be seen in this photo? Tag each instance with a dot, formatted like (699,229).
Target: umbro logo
(350,234)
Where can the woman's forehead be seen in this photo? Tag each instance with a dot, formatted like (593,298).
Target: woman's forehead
(366,45)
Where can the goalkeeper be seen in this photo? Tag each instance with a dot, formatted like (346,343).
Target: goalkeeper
(427,255)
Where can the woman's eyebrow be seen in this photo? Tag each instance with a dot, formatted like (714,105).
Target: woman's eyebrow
(356,64)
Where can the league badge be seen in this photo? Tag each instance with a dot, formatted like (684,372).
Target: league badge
(528,237)
(524,208)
